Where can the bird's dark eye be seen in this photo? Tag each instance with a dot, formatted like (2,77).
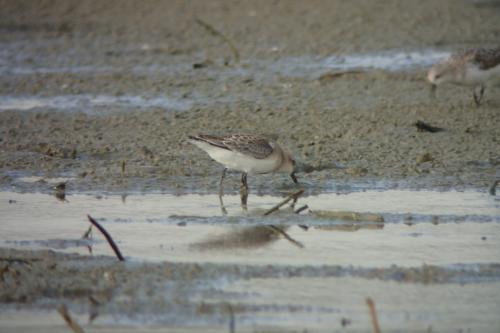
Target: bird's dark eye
(437,76)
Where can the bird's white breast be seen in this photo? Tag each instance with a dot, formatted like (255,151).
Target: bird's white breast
(240,162)
(475,75)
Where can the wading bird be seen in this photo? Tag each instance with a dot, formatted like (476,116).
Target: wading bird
(475,67)
(247,153)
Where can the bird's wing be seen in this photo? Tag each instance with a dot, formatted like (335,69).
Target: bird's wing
(217,141)
(247,144)
(487,58)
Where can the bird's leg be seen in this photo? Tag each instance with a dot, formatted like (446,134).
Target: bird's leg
(477,99)
(244,191)
(221,191)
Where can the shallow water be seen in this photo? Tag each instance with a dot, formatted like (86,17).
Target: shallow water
(272,282)
(265,70)
(420,227)
(312,67)
(12,62)
(87,103)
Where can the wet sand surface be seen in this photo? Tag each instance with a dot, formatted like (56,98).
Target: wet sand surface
(102,95)
(84,88)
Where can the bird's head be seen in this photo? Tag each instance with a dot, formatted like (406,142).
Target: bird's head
(288,164)
(440,73)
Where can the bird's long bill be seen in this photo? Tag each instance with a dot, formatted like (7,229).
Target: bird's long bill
(433,90)
(294,178)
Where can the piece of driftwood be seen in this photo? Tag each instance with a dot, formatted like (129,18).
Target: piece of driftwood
(108,237)
(293,196)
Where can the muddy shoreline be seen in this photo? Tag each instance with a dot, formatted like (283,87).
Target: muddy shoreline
(359,125)
(105,287)
(187,266)
(102,95)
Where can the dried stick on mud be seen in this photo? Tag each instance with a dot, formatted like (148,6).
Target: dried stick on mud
(63,311)
(294,196)
(373,315)
(216,33)
(108,238)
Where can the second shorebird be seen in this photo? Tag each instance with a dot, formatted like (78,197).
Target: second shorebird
(247,153)
(474,67)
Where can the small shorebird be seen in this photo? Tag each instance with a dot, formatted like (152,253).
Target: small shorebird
(474,67)
(247,153)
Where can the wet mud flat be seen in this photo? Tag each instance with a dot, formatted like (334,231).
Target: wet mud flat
(84,92)
(199,297)
(102,95)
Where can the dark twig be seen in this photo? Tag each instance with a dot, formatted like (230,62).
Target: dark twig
(216,33)
(301,209)
(294,196)
(108,238)
(423,127)
(373,315)
(298,211)
(63,311)
(494,186)
(87,234)
(284,234)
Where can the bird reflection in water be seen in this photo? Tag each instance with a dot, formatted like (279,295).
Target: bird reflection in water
(247,238)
